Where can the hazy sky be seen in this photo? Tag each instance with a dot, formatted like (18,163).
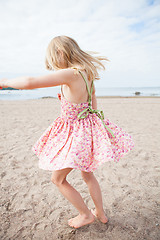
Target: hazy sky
(126,31)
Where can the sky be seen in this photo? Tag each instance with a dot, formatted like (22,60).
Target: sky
(127,32)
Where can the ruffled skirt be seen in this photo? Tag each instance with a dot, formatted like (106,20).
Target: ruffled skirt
(81,144)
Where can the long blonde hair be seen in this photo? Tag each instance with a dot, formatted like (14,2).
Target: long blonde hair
(72,54)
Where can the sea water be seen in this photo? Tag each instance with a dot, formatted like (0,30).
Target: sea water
(100,92)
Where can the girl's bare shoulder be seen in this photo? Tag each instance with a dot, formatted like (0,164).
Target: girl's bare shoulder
(71,72)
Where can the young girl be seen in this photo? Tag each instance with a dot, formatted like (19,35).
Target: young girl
(80,138)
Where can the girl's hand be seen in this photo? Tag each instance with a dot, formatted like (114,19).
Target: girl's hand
(59,96)
(3,83)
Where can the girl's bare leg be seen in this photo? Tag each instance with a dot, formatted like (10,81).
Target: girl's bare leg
(85,215)
(96,195)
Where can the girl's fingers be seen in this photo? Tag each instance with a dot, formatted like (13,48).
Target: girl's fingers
(3,83)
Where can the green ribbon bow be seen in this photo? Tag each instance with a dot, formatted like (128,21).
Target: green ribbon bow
(88,110)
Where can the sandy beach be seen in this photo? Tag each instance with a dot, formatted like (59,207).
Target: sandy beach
(32,206)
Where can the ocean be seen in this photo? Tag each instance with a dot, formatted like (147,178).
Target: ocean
(100,92)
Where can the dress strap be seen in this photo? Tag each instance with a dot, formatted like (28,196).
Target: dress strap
(89,92)
(84,113)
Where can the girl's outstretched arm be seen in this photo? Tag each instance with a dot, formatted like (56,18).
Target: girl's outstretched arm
(60,77)
(18,83)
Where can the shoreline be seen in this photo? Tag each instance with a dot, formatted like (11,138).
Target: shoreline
(98,97)
(128,97)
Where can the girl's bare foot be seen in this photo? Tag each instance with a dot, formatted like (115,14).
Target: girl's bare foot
(101,217)
(81,220)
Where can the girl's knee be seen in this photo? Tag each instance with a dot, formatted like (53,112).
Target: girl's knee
(87,176)
(59,176)
(57,180)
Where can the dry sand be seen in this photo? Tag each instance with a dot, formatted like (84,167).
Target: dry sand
(33,208)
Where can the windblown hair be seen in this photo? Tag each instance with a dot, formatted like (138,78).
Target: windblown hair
(72,55)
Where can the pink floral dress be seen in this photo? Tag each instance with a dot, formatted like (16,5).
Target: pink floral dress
(81,138)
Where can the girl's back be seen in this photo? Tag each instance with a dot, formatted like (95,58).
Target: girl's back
(77,91)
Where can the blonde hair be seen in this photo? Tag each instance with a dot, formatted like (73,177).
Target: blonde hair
(72,54)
